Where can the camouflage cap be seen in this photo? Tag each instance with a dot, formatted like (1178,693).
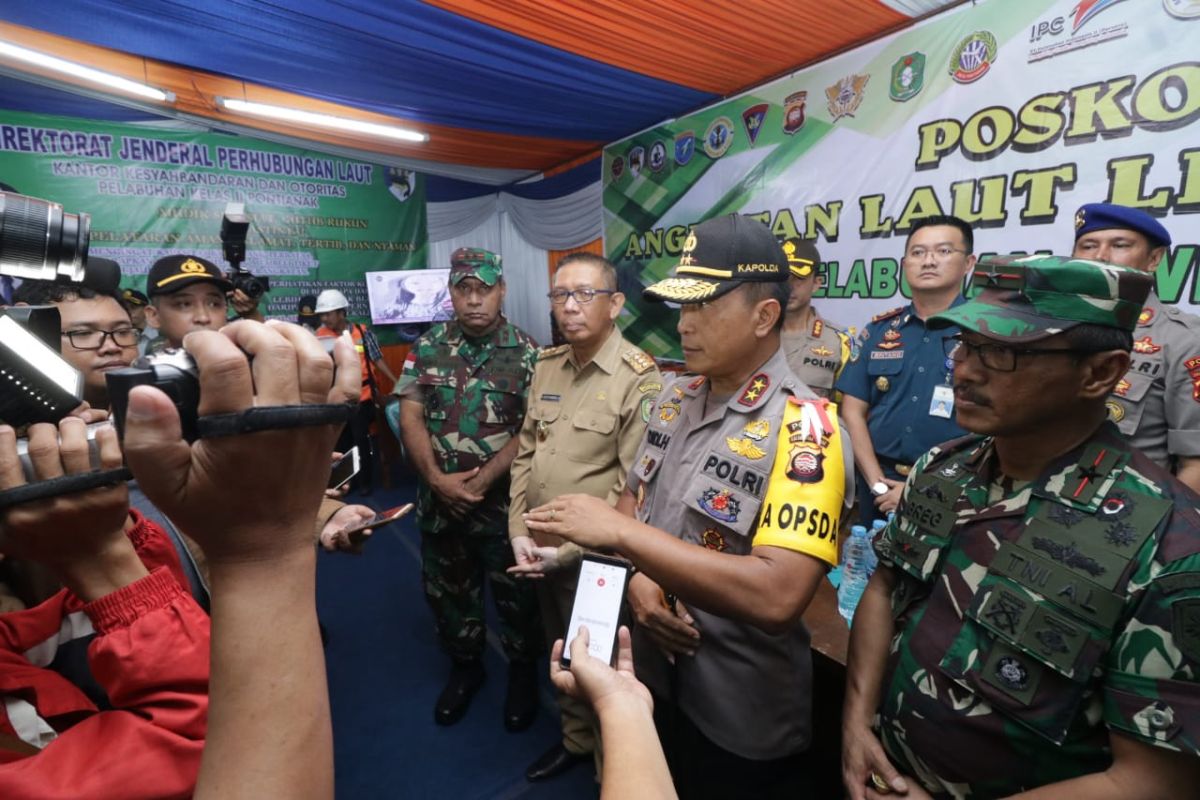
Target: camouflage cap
(474,262)
(1027,298)
(802,257)
(718,256)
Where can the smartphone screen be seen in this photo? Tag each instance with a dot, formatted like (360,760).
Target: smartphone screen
(598,597)
(345,469)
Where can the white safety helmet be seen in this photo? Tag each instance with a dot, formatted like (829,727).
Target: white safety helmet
(330,300)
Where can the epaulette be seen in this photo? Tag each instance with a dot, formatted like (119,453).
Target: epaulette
(1177,314)
(638,360)
(887,314)
(550,352)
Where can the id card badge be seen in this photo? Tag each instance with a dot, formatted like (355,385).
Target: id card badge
(942,404)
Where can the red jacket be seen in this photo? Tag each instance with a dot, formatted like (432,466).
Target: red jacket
(150,655)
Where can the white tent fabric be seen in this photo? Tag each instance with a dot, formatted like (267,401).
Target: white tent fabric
(525,268)
(558,224)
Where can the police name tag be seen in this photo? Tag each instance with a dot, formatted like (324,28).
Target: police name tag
(942,403)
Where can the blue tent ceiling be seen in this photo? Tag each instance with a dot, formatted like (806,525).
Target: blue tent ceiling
(514,85)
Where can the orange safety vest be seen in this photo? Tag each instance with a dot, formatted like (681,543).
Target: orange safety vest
(361,349)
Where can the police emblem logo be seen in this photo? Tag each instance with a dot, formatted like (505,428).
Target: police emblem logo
(658,156)
(192,266)
(1192,365)
(973,57)
(821,350)
(1116,411)
(808,437)
(720,504)
(908,77)
(793,112)
(713,540)
(882,383)
(1182,9)
(685,147)
(752,119)
(618,167)
(1012,673)
(637,157)
(1146,346)
(747,446)
(668,411)
(845,96)
(718,138)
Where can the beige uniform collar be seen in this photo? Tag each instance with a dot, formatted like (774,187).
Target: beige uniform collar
(608,357)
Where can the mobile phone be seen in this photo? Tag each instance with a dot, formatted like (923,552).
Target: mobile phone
(599,594)
(382,518)
(345,469)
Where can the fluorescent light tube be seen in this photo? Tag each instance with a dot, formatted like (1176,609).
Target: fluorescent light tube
(85,73)
(321,120)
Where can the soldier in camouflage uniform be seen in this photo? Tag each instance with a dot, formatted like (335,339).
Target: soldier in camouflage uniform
(463,392)
(1035,618)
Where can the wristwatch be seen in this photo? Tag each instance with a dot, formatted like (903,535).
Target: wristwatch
(879,488)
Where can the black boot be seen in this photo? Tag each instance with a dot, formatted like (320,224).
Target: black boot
(465,680)
(521,702)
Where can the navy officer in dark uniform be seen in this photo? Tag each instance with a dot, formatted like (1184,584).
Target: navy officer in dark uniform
(897,396)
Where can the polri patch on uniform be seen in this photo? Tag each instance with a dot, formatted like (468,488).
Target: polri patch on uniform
(720,504)
(1192,365)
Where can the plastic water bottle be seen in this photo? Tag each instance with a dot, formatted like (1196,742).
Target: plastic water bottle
(873,557)
(855,571)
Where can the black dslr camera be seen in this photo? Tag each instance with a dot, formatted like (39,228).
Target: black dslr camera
(173,371)
(41,241)
(234,226)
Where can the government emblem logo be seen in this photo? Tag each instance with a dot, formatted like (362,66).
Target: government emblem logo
(685,147)
(793,112)
(808,437)
(720,504)
(908,77)
(1183,9)
(713,540)
(718,138)
(637,157)
(845,96)
(752,119)
(618,167)
(973,57)
(658,156)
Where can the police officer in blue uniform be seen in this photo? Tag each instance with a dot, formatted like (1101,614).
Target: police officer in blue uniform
(897,395)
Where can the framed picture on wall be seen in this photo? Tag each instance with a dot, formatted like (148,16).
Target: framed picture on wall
(405,296)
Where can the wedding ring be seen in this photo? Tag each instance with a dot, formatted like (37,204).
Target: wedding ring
(553,515)
(881,785)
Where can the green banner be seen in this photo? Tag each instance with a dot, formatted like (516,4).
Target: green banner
(318,221)
(1010,115)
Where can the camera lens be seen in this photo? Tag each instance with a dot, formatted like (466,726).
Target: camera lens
(39,240)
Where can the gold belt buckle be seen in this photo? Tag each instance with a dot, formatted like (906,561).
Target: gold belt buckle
(903,469)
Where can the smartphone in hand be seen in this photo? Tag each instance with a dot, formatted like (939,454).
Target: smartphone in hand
(599,595)
(379,520)
(346,468)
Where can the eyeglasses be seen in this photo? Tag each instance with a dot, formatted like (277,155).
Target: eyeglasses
(581,296)
(94,340)
(999,357)
(940,253)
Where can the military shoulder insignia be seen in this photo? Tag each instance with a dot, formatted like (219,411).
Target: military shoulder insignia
(754,389)
(818,326)
(551,352)
(1146,317)
(638,360)
(887,314)
(696,384)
